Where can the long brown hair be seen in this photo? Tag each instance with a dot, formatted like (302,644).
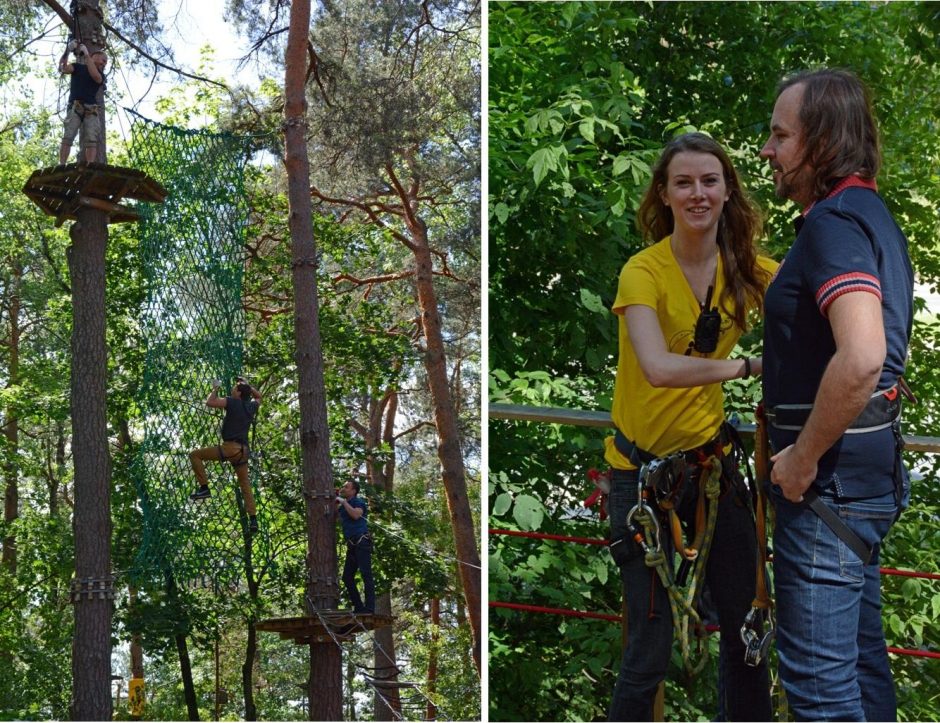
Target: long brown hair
(838,127)
(739,226)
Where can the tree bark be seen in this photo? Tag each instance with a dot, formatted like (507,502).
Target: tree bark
(325,685)
(91,648)
(11,428)
(448,450)
(382,413)
(432,658)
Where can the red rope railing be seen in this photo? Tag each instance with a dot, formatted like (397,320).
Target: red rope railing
(617,618)
(598,541)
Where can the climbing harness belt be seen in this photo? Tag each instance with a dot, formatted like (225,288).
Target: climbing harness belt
(883,410)
(665,481)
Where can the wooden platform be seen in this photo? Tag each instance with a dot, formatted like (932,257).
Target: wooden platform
(63,190)
(342,624)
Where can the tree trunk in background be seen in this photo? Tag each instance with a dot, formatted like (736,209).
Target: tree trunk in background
(57,474)
(186,672)
(325,684)
(11,428)
(448,450)
(251,645)
(432,660)
(387,703)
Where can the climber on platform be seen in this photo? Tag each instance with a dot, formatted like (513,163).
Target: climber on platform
(87,78)
(240,410)
(352,513)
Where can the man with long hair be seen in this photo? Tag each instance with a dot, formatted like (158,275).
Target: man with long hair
(838,320)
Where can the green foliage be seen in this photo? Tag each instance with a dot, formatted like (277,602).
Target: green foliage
(582,97)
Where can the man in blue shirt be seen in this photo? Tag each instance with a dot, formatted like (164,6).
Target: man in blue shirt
(838,318)
(352,513)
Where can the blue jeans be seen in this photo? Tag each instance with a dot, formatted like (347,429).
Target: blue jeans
(730,578)
(830,641)
(359,557)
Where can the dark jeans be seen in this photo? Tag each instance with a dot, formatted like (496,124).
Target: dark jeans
(359,557)
(830,640)
(730,578)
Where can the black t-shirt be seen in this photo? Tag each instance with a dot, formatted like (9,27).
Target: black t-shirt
(82,86)
(238,416)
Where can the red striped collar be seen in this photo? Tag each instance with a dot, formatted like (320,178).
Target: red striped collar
(847,182)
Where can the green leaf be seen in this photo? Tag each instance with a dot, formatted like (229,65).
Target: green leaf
(501,211)
(502,504)
(541,162)
(528,512)
(621,164)
(592,302)
(586,129)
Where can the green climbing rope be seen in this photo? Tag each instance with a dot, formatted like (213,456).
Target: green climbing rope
(193,326)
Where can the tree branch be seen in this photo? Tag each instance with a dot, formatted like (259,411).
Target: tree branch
(158,63)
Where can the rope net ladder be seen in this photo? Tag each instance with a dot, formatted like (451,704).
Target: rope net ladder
(193,326)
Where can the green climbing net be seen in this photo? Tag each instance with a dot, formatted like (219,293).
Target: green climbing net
(193,325)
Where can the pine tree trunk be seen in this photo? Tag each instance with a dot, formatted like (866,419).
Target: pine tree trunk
(92,588)
(448,450)
(11,427)
(381,473)
(91,649)
(432,658)
(325,685)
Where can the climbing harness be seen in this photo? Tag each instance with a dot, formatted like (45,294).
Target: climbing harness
(883,410)
(661,479)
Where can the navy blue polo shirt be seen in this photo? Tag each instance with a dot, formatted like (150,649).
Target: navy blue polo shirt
(351,527)
(847,242)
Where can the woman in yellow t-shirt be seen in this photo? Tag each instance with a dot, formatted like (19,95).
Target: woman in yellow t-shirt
(683,303)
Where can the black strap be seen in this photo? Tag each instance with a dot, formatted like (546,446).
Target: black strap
(637,456)
(842,530)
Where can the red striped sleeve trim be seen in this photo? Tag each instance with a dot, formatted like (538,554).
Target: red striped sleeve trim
(844,284)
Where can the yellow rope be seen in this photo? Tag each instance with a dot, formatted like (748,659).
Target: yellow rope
(711,484)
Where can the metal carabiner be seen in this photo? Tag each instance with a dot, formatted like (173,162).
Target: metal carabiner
(641,504)
(756,646)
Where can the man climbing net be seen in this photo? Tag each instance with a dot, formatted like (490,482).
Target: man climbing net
(240,407)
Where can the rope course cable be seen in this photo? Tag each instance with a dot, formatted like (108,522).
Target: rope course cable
(381,684)
(193,326)
(429,551)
